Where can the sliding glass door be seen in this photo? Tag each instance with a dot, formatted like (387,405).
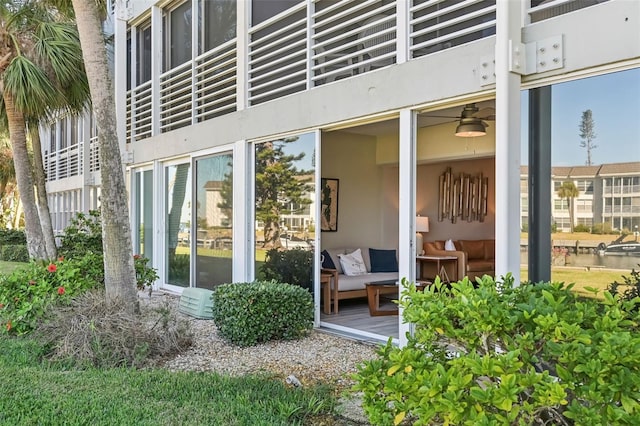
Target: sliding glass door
(214,220)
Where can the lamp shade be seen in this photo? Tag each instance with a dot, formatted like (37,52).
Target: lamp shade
(422,224)
(470,127)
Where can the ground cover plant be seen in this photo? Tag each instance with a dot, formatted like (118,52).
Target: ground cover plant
(42,392)
(494,354)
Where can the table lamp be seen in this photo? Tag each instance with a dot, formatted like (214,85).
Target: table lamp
(422,225)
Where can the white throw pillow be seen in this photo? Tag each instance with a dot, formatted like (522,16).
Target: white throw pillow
(353,263)
(449,246)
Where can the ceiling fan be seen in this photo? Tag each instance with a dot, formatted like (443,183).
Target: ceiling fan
(472,120)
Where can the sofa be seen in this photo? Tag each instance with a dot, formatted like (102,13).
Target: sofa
(379,265)
(475,257)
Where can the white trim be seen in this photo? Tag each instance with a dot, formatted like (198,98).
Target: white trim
(407,206)
(360,333)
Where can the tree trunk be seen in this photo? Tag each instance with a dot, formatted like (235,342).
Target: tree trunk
(41,195)
(22,164)
(119,271)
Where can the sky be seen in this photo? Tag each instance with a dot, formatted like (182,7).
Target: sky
(614,100)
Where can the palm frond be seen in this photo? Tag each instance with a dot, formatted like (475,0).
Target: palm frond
(30,87)
(59,45)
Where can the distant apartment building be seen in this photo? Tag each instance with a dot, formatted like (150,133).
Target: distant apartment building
(607,194)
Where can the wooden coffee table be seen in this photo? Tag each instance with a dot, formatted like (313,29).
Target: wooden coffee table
(376,289)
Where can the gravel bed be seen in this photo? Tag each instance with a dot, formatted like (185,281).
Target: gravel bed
(320,357)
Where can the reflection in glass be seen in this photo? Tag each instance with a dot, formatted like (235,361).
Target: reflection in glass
(595,179)
(285,223)
(178,224)
(214,203)
(143,210)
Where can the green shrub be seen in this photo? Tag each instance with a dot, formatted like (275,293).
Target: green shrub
(250,313)
(629,289)
(83,235)
(581,228)
(602,228)
(12,236)
(535,354)
(145,274)
(14,253)
(26,292)
(289,266)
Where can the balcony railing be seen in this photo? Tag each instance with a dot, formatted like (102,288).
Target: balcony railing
(300,49)
(64,163)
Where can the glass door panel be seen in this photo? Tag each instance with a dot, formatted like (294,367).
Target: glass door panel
(178,224)
(214,210)
(285,219)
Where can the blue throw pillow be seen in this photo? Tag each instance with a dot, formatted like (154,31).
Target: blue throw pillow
(383,260)
(328,262)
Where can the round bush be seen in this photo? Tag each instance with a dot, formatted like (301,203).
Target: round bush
(250,313)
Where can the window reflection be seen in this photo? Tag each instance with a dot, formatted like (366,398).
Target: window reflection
(595,179)
(285,209)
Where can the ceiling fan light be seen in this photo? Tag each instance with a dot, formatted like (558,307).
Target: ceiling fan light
(469,128)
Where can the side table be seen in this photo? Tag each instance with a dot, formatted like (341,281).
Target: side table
(440,262)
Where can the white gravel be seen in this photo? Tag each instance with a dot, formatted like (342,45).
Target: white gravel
(320,357)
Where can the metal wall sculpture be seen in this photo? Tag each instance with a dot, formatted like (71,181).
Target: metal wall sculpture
(462,196)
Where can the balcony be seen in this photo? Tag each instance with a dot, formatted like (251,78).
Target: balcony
(310,45)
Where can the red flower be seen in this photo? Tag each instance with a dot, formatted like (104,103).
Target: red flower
(61,258)
(1,305)
(52,267)
(136,256)
(60,291)
(9,325)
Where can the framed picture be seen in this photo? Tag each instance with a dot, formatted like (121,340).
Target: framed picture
(329,205)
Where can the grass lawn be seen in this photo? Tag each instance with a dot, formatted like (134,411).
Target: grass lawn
(37,393)
(596,278)
(8,267)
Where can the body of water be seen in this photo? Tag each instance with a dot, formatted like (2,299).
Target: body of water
(607,261)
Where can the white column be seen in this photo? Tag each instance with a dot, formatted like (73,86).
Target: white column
(243,13)
(407,208)
(507,186)
(156,67)
(120,78)
(243,253)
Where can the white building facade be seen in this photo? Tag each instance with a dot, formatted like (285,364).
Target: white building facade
(366,92)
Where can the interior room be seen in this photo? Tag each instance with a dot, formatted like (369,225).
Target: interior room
(364,160)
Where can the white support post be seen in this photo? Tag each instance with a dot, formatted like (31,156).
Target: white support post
(507,186)
(407,208)
(156,67)
(242,229)
(243,12)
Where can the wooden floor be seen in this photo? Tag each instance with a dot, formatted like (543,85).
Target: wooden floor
(354,313)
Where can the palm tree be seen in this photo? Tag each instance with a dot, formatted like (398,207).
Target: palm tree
(120,276)
(40,69)
(569,191)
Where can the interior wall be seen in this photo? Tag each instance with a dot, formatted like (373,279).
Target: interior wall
(427,199)
(362,219)
(438,143)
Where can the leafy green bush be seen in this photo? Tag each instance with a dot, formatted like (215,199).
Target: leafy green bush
(14,253)
(495,354)
(26,292)
(289,266)
(250,313)
(12,236)
(602,228)
(630,287)
(145,274)
(83,235)
(581,228)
